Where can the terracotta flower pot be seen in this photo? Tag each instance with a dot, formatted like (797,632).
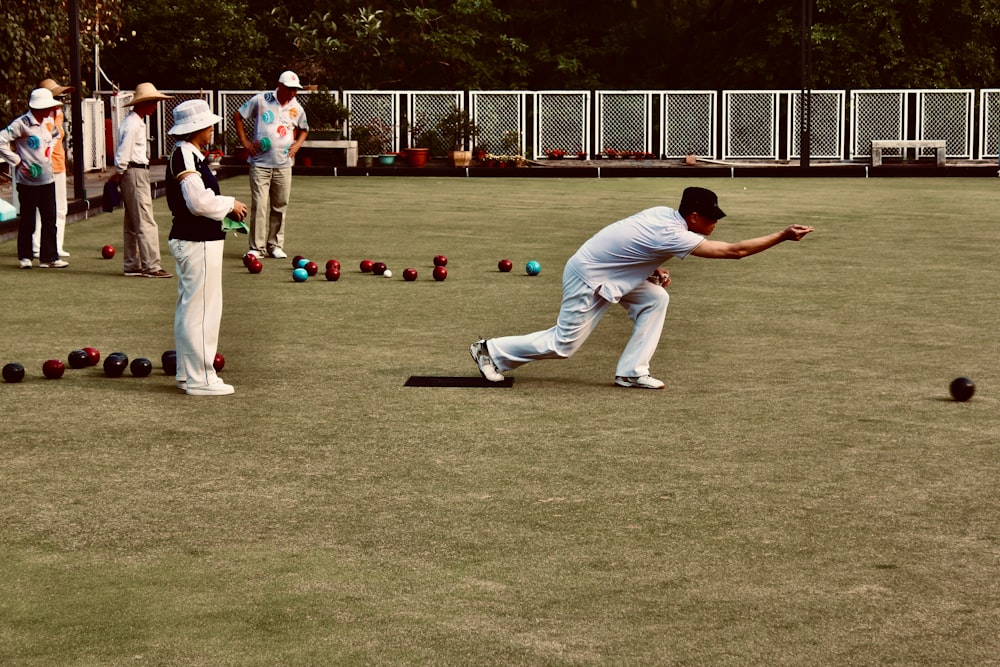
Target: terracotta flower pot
(417,157)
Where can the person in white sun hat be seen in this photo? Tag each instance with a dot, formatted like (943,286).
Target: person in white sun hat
(279,128)
(58,173)
(27,144)
(196,242)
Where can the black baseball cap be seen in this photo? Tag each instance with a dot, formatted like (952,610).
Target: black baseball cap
(701,201)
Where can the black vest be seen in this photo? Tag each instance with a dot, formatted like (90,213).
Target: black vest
(186,225)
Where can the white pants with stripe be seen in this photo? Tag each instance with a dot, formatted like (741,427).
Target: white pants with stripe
(199,309)
(581,310)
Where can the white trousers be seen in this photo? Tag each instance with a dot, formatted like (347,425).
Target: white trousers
(62,208)
(581,310)
(199,309)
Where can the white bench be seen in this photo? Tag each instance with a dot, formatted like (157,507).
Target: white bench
(878,144)
(350,148)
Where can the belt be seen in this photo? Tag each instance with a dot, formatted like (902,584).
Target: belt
(137,165)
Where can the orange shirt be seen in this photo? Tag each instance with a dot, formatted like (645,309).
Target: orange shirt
(59,151)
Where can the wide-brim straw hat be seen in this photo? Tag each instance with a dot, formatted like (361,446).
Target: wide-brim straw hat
(191,116)
(41,98)
(55,87)
(147,92)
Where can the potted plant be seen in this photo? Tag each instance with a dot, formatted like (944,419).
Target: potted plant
(325,114)
(422,141)
(458,133)
(374,137)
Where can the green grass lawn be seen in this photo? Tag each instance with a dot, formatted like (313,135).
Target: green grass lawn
(804,492)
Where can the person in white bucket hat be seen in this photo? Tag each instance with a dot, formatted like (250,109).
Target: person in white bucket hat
(58,173)
(27,144)
(279,128)
(196,242)
(141,256)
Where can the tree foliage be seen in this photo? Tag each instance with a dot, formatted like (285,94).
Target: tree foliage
(514,44)
(36,45)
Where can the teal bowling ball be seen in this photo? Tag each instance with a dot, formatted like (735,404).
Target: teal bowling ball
(532,268)
(300,275)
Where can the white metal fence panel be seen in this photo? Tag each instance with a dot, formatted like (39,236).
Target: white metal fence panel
(624,121)
(827,119)
(159,121)
(989,123)
(95,156)
(875,115)
(948,115)
(378,111)
(689,122)
(502,119)
(424,109)
(562,121)
(229,103)
(750,124)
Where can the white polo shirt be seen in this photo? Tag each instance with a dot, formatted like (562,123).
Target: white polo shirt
(33,143)
(274,128)
(133,142)
(621,256)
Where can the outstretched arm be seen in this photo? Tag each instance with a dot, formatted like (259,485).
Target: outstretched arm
(741,249)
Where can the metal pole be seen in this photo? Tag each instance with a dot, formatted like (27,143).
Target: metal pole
(79,187)
(805,101)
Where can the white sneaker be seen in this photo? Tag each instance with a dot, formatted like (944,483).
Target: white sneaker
(217,389)
(63,253)
(278,253)
(58,264)
(481,355)
(24,263)
(641,382)
(255,253)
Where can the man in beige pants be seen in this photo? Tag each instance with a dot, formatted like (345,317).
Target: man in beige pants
(142,237)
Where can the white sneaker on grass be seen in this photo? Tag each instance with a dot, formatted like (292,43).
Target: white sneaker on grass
(640,382)
(24,263)
(58,264)
(481,355)
(217,389)
(278,253)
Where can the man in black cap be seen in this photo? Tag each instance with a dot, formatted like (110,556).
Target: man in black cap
(621,264)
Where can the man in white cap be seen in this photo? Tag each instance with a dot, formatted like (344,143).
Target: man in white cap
(141,235)
(58,172)
(27,144)
(280,127)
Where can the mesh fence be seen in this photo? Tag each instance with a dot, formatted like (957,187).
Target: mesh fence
(826,124)
(750,124)
(989,124)
(877,114)
(374,120)
(624,121)
(502,118)
(561,122)
(669,123)
(424,110)
(689,122)
(94,148)
(948,115)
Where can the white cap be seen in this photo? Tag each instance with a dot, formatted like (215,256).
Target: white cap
(41,98)
(191,116)
(289,79)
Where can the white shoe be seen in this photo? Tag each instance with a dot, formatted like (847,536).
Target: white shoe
(481,355)
(182,385)
(24,263)
(278,253)
(641,382)
(217,389)
(58,264)
(255,253)
(63,253)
